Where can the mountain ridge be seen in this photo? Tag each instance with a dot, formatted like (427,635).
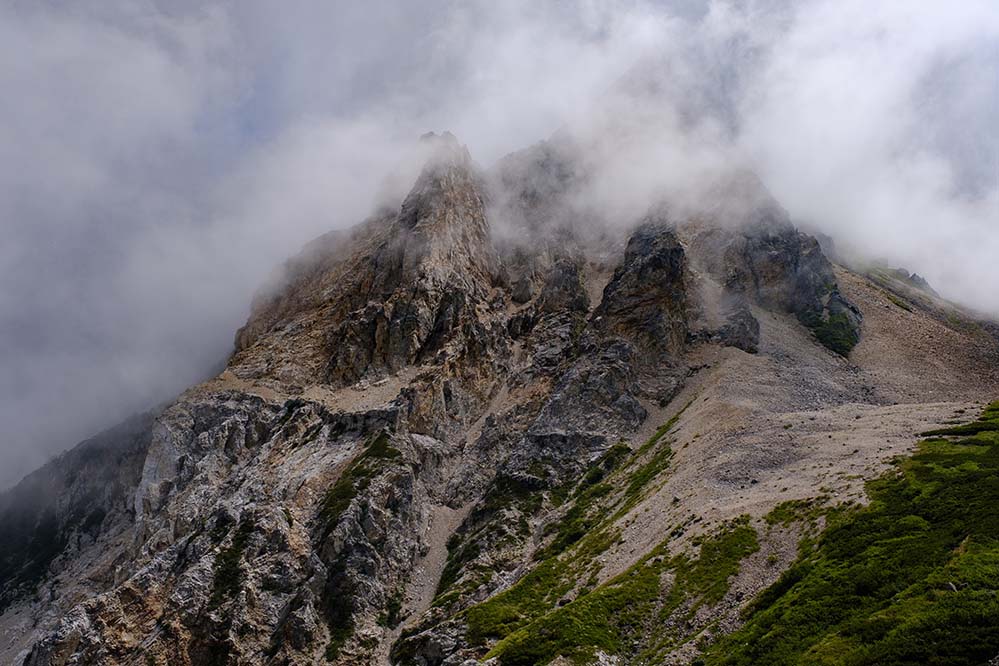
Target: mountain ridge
(415,431)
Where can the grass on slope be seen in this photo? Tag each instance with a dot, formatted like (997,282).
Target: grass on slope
(354,480)
(615,484)
(912,578)
(559,608)
(619,614)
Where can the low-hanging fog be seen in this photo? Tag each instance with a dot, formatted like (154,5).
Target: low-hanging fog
(159,158)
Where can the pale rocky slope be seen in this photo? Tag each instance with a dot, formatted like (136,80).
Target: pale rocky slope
(409,423)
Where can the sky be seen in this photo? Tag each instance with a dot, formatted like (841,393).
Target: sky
(160,159)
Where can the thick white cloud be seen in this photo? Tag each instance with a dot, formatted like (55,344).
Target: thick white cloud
(159,159)
(861,120)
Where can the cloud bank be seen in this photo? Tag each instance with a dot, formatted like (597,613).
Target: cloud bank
(161,158)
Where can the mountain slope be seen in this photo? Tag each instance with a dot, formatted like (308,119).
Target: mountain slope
(478,427)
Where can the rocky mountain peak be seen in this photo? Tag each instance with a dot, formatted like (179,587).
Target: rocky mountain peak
(442,226)
(389,294)
(444,150)
(464,430)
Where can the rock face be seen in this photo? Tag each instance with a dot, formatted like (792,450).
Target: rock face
(423,409)
(435,267)
(58,512)
(765,259)
(645,301)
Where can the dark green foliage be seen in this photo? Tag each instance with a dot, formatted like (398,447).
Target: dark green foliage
(338,607)
(494,526)
(654,465)
(228,574)
(585,513)
(390,617)
(533,594)
(341,629)
(796,510)
(507,491)
(458,556)
(652,468)
(986,423)
(662,430)
(605,465)
(584,531)
(600,619)
(622,611)
(354,480)
(339,497)
(836,333)
(578,521)
(381,448)
(706,578)
(913,578)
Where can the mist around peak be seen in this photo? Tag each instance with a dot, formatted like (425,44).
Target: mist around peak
(162,159)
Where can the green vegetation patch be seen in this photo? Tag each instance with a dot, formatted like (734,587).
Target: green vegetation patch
(985,426)
(339,602)
(505,492)
(585,531)
(912,578)
(607,464)
(530,597)
(391,616)
(340,631)
(706,578)
(585,512)
(654,465)
(836,333)
(354,480)
(651,469)
(623,611)
(228,574)
(798,510)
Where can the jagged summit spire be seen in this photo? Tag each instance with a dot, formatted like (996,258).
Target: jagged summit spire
(444,149)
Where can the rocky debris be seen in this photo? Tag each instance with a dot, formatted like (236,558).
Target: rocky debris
(741,330)
(910,299)
(275,304)
(595,396)
(264,529)
(529,269)
(722,317)
(400,288)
